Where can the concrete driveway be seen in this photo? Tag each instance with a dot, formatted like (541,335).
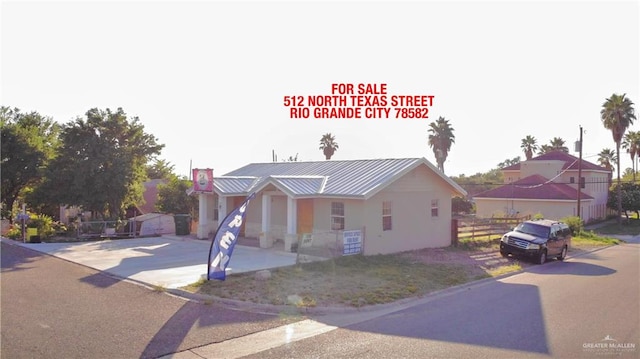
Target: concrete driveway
(169,262)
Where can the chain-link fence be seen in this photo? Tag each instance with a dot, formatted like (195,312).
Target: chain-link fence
(107,229)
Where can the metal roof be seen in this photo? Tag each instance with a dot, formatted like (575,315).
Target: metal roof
(348,178)
(234,184)
(301,185)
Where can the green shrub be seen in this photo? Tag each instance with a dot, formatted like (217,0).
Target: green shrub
(575,223)
(15,232)
(43,223)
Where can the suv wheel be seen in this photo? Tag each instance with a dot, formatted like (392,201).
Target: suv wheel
(563,254)
(542,257)
(504,254)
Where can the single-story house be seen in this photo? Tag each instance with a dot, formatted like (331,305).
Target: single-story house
(548,185)
(398,204)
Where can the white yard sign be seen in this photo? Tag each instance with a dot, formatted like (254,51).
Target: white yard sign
(352,242)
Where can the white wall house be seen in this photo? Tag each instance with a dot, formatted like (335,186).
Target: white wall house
(548,184)
(399,204)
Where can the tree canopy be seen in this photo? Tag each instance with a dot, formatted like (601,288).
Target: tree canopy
(529,145)
(556,144)
(29,142)
(607,158)
(630,195)
(102,163)
(328,145)
(631,142)
(441,138)
(173,197)
(617,115)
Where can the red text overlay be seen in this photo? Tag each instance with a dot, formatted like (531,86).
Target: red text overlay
(356,101)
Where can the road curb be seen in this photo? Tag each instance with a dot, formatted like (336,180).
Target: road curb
(407,302)
(241,305)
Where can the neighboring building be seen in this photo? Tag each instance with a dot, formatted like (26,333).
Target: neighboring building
(548,184)
(400,204)
(149,196)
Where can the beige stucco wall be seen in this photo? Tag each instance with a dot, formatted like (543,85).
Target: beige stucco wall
(596,186)
(549,209)
(546,169)
(413,227)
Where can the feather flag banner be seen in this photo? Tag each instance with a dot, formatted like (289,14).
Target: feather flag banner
(225,240)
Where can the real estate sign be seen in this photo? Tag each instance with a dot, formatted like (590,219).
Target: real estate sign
(352,241)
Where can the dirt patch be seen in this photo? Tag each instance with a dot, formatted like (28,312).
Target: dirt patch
(478,263)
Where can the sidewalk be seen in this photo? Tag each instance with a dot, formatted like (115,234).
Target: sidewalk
(168,261)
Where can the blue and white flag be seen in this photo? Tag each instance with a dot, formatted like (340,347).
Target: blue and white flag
(225,240)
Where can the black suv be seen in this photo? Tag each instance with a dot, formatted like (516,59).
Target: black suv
(537,239)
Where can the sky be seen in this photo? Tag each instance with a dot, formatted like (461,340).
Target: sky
(208,78)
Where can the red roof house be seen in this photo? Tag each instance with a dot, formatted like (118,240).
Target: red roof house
(548,185)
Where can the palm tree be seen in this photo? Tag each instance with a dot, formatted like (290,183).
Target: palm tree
(440,140)
(617,115)
(529,145)
(545,149)
(606,158)
(631,143)
(557,144)
(328,145)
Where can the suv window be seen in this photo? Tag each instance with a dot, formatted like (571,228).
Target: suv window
(533,229)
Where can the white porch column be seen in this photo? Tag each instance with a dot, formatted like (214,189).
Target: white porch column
(266,240)
(222,209)
(292,224)
(203,219)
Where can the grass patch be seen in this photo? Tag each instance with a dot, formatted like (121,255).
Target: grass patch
(590,238)
(357,281)
(479,242)
(627,227)
(348,281)
(509,268)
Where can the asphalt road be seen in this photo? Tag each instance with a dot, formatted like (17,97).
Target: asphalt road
(586,307)
(51,308)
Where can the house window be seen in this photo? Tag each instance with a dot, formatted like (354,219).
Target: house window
(386,215)
(434,208)
(572,180)
(582,182)
(337,216)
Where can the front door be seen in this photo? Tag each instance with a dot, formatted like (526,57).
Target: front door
(305,215)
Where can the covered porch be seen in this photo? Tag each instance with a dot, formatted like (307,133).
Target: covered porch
(273,216)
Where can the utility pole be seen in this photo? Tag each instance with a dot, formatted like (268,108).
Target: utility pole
(579,172)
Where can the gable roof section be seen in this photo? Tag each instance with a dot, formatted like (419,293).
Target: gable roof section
(349,178)
(234,184)
(534,187)
(301,185)
(570,162)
